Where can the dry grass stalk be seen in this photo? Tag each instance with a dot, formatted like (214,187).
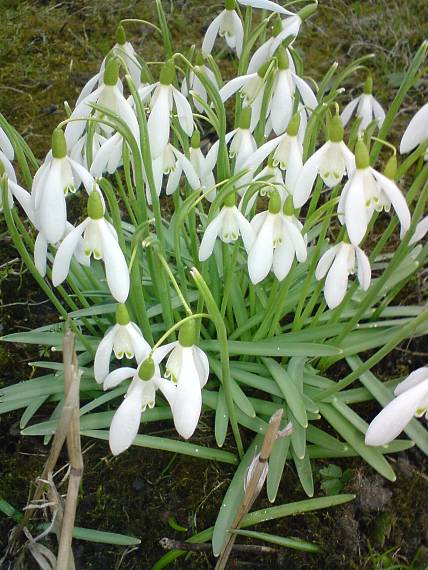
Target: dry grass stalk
(255,479)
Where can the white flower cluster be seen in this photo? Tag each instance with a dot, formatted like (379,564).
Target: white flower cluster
(274,105)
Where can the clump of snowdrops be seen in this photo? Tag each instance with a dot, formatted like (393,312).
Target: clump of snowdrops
(242,235)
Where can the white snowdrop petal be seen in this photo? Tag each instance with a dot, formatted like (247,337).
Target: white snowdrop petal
(116,268)
(188,169)
(260,256)
(211,34)
(336,282)
(266,5)
(158,123)
(364,269)
(420,231)
(396,198)
(416,131)
(283,258)
(118,376)
(210,235)
(355,209)
(348,110)
(6,145)
(308,96)
(233,85)
(395,416)
(238,29)
(281,106)
(52,210)
(378,112)
(160,353)
(184,111)
(40,254)
(102,355)
(126,421)
(245,229)
(61,264)
(413,379)
(202,364)
(305,180)
(188,400)
(325,262)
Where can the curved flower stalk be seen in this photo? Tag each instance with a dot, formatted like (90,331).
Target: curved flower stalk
(172,163)
(338,262)
(57,176)
(146,379)
(366,108)
(6,148)
(164,97)
(124,339)
(100,240)
(368,191)
(278,241)
(203,165)
(192,84)
(188,369)
(416,132)
(288,154)
(411,400)
(332,162)
(228,225)
(109,95)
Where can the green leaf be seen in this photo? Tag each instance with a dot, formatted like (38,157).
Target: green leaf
(287,542)
(273,347)
(221,418)
(289,389)
(276,465)
(91,535)
(304,471)
(164,444)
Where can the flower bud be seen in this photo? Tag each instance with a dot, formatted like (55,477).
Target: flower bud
(95,206)
(261,72)
(167,73)
(229,4)
(282,56)
(368,85)
(335,129)
(230,200)
(146,370)
(274,202)
(391,167)
(187,334)
(111,73)
(59,144)
(288,208)
(307,11)
(122,315)
(196,139)
(362,157)
(294,125)
(245,118)
(120,35)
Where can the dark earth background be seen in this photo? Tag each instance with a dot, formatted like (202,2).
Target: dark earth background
(47,52)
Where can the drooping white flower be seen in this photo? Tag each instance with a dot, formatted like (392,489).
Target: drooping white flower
(124,339)
(173,163)
(332,161)
(228,225)
(165,96)
(338,262)
(57,176)
(109,95)
(411,400)
(268,180)
(421,231)
(366,108)
(6,146)
(270,5)
(241,141)
(288,154)
(203,165)
(125,51)
(278,241)
(100,240)
(227,25)
(416,132)
(368,191)
(146,379)
(188,369)
(193,85)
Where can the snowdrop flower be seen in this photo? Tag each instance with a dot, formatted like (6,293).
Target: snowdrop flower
(228,25)
(227,225)
(368,191)
(165,95)
(366,108)
(338,263)
(6,148)
(286,83)
(203,165)
(100,240)
(124,339)
(172,163)
(241,142)
(193,85)
(78,151)
(268,180)
(188,370)
(140,394)
(109,95)
(411,400)
(278,241)
(420,231)
(416,132)
(57,176)
(332,161)
(125,51)
(288,154)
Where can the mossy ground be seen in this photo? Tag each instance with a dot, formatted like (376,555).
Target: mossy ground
(47,52)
